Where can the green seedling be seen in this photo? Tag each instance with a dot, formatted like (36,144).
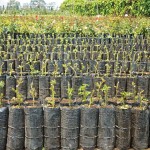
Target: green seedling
(140,98)
(116,89)
(124,97)
(134,89)
(70,93)
(91,98)
(44,67)
(105,90)
(33,93)
(52,90)
(66,66)
(19,97)
(11,69)
(21,69)
(108,67)
(83,92)
(55,72)
(82,68)
(75,69)
(1,68)
(99,88)
(96,68)
(75,52)
(1,94)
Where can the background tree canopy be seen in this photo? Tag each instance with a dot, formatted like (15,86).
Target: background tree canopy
(107,7)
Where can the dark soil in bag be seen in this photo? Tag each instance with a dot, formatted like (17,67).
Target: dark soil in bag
(76,83)
(110,81)
(65,80)
(50,66)
(16,130)
(142,85)
(23,86)
(88,128)
(88,80)
(101,67)
(123,128)
(130,81)
(10,84)
(70,123)
(3,127)
(106,128)
(140,128)
(33,128)
(44,84)
(52,120)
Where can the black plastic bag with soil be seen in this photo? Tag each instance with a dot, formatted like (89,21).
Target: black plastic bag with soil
(3,127)
(26,66)
(142,85)
(101,67)
(76,83)
(23,86)
(52,120)
(106,128)
(35,80)
(10,84)
(57,86)
(16,129)
(3,79)
(123,128)
(110,81)
(92,65)
(65,80)
(88,80)
(33,128)
(88,128)
(140,128)
(130,81)
(44,85)
(70,123)
(50,66)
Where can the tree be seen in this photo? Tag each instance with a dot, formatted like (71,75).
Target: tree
(37,4)
(13,4)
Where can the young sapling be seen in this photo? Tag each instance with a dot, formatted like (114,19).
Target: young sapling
(105,90)
(19,97)
(99,88)
(33,93)
(91,98)
(52,90)
(70,93)
(124,97)
(1,94)
(83,92)
(116,89)
(1,68)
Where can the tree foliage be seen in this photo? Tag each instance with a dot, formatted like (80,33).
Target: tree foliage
(107,7)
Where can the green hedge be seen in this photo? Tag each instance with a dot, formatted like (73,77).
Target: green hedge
(107,7)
